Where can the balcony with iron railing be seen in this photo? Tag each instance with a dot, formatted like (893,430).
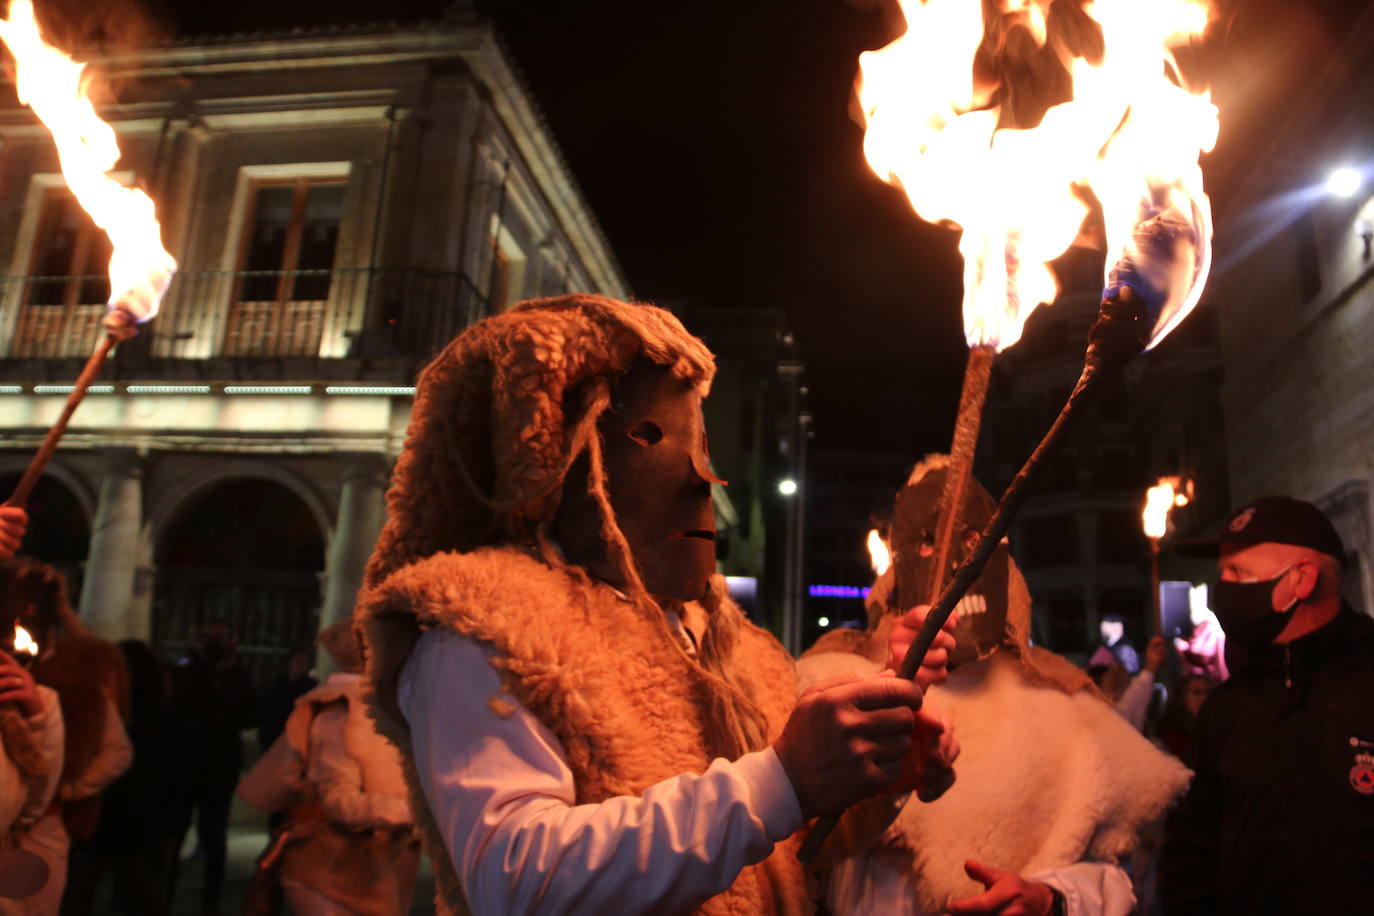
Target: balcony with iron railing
(378,324)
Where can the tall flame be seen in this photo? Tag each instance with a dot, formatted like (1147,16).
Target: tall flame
(53,85)
(23,642)
(878,554)
(1129,134)
(1160,500)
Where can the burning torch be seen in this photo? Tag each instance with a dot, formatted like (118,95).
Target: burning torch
(1128,136)
(1161,499)
(53,85)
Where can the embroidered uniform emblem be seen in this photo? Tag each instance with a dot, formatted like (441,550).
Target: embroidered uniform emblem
(1240,521)
(1362,774)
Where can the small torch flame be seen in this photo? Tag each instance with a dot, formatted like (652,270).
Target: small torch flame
(52,84)
(1129,134)
(23,642)
(878,554)
(1160,500)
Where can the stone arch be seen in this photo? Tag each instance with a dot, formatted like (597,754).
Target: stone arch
(171,501)
(81,489)
(247,550)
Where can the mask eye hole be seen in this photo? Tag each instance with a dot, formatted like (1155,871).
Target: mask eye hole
(970,538)
(646,432)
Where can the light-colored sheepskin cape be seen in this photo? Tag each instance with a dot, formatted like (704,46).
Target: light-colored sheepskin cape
(1046,778)
(620,697)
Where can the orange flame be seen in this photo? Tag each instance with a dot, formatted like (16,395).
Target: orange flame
(1160,500)
(52,84)
(878,554)
(23,642)
(1129,134)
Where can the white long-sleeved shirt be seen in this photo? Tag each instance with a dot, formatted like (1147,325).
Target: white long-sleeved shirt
(503,797)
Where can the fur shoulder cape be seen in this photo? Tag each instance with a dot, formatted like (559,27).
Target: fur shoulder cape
(620,694)
(1046,778)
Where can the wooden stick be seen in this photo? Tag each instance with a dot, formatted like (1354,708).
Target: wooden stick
(119,327)
(1118,335)
(977,372)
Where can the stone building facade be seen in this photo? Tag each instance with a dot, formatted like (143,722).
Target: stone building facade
(340,203)
(1295,291)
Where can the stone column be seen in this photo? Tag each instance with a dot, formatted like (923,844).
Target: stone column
(362,510)
(116,550)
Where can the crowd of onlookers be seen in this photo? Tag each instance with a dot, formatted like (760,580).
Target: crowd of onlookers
(112,754)
(1161,689)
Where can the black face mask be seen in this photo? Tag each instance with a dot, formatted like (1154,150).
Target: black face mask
(1246,610)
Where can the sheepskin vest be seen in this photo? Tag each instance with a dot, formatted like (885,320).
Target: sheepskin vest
(618,694)
(1047,778)
(378,763)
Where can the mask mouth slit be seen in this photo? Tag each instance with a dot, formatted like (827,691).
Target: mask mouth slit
(704,534)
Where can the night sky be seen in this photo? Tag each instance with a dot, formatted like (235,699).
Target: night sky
(714,142)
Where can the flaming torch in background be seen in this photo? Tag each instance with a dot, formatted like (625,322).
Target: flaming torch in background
(1161,499)
(55,87)
(1125,134)
(879,557)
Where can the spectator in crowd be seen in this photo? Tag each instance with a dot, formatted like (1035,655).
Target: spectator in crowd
(221,703)
(280,697)
(348,842)
(1134,701)
(91,682)
(137,827)
(1116,646)
(1204,651)
(1175,727)
(1280,816)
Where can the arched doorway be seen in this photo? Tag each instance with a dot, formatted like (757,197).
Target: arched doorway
(248,552)
(59,530)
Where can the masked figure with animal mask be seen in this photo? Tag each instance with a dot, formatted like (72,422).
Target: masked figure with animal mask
(1054,789)
(587,722)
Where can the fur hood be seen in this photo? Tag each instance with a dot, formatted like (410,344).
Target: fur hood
(490,436)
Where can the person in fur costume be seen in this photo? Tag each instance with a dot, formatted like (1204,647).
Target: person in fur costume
(30,765)
(1054,787)
(588,723)
(348,843)
(91,682)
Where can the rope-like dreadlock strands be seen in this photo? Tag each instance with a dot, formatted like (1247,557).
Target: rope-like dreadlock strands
(735,724)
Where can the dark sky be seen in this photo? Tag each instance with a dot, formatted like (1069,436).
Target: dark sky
(714,142)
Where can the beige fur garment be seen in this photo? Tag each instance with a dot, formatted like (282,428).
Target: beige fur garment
(624,701)
(1045,778)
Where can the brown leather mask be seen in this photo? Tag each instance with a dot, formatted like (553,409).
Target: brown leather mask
(659,481)
(983,610)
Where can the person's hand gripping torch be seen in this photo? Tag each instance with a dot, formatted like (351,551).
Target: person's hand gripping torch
(1156,281)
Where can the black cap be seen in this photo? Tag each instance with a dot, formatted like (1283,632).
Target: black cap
(1271,520)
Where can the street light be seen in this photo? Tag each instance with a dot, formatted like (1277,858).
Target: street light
(787,486)
(1344,181)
